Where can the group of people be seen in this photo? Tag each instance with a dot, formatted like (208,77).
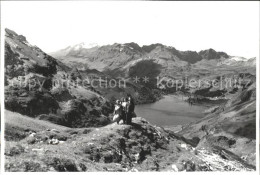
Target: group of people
(124,110)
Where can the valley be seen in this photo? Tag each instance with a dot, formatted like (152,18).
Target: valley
(196,111)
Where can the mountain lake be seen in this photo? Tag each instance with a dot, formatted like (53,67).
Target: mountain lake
(170,110)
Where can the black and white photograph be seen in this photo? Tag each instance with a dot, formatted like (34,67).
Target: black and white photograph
(130,86)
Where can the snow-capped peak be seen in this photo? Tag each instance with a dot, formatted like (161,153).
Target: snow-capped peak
(85,46)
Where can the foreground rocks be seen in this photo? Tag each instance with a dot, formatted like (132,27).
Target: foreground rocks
(137,147)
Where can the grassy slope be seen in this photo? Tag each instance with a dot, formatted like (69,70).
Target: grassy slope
(17,120)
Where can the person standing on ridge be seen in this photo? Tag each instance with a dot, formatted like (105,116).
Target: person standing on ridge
(124,104)
(117,112)
(129,110)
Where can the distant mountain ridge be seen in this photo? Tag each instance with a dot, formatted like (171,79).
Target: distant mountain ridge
(134,49)
(118,59)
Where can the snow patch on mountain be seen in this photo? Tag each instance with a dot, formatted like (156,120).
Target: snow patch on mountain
(235,58)
(84,45)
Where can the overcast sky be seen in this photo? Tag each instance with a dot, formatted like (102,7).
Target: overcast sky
(232,27)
